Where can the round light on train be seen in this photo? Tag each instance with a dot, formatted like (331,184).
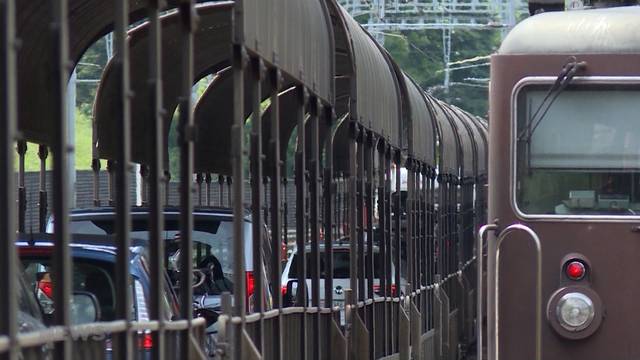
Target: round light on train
(575,311)
(575,270)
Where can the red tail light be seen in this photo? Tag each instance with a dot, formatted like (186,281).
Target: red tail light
(145,341)
(378,290)
(46,288)
(250,283)
(283,290)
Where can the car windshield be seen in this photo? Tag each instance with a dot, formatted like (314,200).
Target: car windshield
(340,265)
(583,157)
(211,236)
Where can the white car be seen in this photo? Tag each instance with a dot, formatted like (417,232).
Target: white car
(341,274)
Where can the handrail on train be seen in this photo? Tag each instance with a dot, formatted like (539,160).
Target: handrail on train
(536,240)
(480,259)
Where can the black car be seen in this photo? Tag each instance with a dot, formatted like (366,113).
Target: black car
(94,260)
(212,249)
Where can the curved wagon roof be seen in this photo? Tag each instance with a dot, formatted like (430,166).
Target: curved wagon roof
(470,166)
(447,136)
(212,42)
(606,31)
(296,36)
(465,143)
(374,94)
(88,21)
(421,132)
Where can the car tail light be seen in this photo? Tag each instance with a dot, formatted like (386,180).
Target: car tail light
(250,283)
(378,290)
(283,290)
(145,341)
(46,288)
(575,270)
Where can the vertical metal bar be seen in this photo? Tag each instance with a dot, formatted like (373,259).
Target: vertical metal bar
(314,204)
(390,248)
(43,154)
(382,241)
(301,226)
(199,181)
(95,167)
(360,216)
(237,152)
(156,151)
(8,124)
(329,196)
(144,174)
(186,138)
(124,341)
(220,190)
(61,254)
(370,154)
(110,181)
(276,219)
(22,150)
(410,223)
(207,181)
(230,194)
(398,236)
(256,195)
(353,213)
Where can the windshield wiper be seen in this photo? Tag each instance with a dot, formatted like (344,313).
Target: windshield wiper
(569,70)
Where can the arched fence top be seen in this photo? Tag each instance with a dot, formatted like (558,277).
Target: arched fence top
(212,42)
(467,145)
(447,136)
(483,145)
(421,134)
(477,137)
(296,36)
(375,100)
(88,21)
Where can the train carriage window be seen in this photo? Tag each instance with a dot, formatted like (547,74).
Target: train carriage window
(582,157)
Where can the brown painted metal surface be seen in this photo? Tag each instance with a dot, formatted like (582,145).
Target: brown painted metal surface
(295,36)
(612,248)
(449,161)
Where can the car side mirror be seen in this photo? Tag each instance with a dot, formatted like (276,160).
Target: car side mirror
(292,292)
(84,308)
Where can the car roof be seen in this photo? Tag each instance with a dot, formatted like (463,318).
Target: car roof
(168,210)
(99,243)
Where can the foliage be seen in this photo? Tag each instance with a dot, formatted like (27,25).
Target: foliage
(420,54)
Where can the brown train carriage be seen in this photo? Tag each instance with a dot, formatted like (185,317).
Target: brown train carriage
(564,161)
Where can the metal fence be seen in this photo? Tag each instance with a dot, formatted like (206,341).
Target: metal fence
(283,69)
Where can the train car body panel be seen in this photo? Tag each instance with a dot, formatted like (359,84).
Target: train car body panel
(606,241)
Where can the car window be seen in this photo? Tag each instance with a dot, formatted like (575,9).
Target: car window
(89,277)
(341,260)
(211,236)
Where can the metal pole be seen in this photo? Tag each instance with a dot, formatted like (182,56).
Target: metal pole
(156,151)
(276,218)
(256,67)
(124,340)
(239,286)
(8,124)
(186,138)
(61,252)
(314,205)
(301,225)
